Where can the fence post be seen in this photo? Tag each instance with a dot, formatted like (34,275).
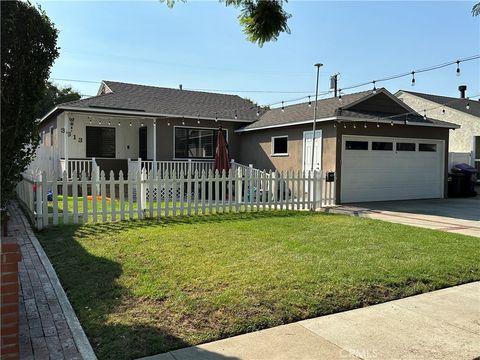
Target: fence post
(189,167)
(143,190)
(238,192)
(250,185)
(96,173)
(38,204)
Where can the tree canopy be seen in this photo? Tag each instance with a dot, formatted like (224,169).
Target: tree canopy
(28,50)
(53,95)
(262,20)
(476,9)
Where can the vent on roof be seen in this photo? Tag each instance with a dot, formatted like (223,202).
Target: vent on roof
(462,89)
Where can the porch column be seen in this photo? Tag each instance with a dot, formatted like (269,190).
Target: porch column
(154,147)
(65,139)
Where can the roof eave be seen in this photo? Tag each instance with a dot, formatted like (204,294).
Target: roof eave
(136,113)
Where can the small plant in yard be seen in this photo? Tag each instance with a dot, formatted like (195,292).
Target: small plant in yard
(145,287)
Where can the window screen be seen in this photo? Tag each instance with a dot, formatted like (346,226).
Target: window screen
(405,146)
(280,145)
(380,145)
(100,142)
(356,145)
(427,147)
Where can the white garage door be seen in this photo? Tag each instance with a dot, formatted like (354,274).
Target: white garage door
(384,168)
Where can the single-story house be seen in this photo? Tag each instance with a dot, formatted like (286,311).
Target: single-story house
(375,146)
(378,147)
(129,121)
(464,144)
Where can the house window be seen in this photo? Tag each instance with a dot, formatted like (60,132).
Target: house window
(405,146)
(427,147)
(100,142)
(280,145)
(195,143)
(380,145)
(356,145)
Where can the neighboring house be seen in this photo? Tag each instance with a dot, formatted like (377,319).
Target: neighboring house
(373,149)
(376,151)
(127,121)
(464,142)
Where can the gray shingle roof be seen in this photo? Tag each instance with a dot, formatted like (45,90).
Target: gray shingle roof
(159,100)
(452,102)
(303,112)
(332,107)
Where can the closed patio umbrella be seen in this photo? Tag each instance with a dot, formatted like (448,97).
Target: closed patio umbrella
(222,161)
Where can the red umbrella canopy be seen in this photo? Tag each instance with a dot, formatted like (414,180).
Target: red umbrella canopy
(222,161)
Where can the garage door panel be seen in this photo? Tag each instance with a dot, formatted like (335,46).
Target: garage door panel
(376,175)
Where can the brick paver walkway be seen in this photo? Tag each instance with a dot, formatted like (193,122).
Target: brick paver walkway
(44,330)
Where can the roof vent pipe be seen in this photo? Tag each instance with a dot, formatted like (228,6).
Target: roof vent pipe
(180,87)
(462,89)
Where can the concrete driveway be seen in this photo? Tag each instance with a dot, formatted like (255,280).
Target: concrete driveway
(460,215)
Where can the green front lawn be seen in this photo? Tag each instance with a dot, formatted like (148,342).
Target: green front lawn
(146,287)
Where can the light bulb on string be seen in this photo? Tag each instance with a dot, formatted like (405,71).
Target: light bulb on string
(374,87)
(236,116)
(216,117)
(109,122)
(378,125)
(283,107)
(413,78)
(119,123)
(334,124)
(391,123)
(258,112)
(168,123)
(458,67)
(99,122)
(340,95)
(365,125)
(130,123)
(344,126)
(309,101)
(198,119)
(354,125)
(90,121)
(468,105)
(424,114)
(183,121)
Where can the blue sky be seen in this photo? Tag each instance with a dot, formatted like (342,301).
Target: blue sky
(201,45)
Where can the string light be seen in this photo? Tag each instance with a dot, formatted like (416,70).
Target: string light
(90,121)
(340,95)
(216,117)
(99,122)
(119,123)
(458,67)
(168,123)
(183,121)
(309,101)
(468,105)
(130,123)
(424,114)
(258,112)
(236,116)
(344,126)
(334,124)
(354,125)
(283,107)
(365,125)
(378,125)
(413,78)
(391,123)
(374,87)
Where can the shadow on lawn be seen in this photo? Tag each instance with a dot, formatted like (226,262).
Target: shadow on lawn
(126,225)
(92,287)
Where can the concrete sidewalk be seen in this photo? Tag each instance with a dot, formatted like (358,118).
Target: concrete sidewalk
(443,324)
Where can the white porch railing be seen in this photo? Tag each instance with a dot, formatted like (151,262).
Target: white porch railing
(50,201)
(78,166)
(169,168)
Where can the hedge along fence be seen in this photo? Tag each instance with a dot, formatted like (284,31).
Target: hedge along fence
(83,199)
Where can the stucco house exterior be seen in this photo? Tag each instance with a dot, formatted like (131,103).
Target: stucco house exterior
(378,147)
(464,144)
(129,121)
(374,146)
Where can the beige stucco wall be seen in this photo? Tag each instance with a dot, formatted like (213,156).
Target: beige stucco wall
(256,147)
(461,140)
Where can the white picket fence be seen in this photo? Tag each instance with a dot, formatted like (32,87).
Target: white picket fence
(51,201)
(169,168)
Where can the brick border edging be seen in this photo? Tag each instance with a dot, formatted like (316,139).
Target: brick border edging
(83,345)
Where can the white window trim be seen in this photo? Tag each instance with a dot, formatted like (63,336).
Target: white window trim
(272,153)
(196,158)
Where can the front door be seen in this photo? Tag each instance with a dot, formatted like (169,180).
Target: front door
(142,142)
(308,148)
